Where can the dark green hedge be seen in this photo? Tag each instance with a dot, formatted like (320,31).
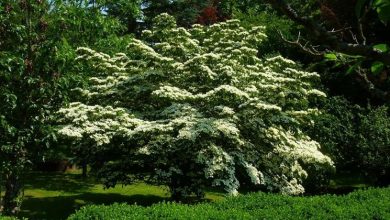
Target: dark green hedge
(363,204)
(6,218)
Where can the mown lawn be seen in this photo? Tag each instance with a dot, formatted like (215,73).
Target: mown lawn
(57,195)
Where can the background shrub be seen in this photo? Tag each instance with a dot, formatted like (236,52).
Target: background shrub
(356,138)
(373,144)
(336,131)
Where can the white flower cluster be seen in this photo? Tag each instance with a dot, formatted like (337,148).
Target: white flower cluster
(196,104)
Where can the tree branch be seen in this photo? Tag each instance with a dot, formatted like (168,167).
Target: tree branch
(308,49)
(371,88)
(329,39)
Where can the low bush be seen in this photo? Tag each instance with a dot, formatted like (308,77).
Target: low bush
(362,204)
(6,218)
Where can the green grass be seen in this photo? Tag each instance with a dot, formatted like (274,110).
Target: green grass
(57,195)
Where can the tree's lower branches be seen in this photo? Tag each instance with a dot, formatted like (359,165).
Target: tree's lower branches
(328,38)
(331,42)
(371,88)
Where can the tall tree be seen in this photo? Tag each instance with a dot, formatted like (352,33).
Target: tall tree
(357,30)
(127,12)
(189,12)
(37,44)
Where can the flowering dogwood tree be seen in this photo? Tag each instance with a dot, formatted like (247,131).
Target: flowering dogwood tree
(193,108)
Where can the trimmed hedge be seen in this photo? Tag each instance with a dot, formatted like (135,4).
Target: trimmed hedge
(6,218)
(362,204)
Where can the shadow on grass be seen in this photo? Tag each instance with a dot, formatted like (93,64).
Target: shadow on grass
(62,206)
(75,191)
(72,183)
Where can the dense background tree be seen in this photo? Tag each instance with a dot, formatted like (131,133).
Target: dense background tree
(37,52)
(355,31)
(355,137)
(127,12)
(186,12)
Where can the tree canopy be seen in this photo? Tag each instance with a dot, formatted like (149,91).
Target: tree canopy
(37,51)
(194,108)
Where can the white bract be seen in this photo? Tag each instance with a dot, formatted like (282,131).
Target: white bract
(192,108)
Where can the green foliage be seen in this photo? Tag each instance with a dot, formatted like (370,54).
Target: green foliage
(330,56)
(127,12)
(335,131)
(363,204)
(7,218)
(382,47)
(374,143)
(366,24)
(37,52)
(190,108)
(377,67)
(276,25)
(382,7)
(369,19)
(161,211)
(359,7)
(355,137)
(185,12)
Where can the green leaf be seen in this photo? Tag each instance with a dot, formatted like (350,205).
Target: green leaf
(352,68)
(382,47)
(383,9)
(358,7)
(377,67)
(330,56)
(384,13)
(380,3)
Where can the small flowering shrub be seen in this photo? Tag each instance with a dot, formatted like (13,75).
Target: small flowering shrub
(190,108)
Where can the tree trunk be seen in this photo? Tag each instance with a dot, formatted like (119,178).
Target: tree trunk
(84,169)
(131,26)
(13,189)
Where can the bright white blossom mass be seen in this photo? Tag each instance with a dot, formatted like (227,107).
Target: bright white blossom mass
(197,108)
